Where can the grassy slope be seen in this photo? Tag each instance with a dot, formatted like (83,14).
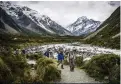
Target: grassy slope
(19,41)
(104,37)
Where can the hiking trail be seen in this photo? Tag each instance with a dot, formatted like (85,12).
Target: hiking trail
(78,76)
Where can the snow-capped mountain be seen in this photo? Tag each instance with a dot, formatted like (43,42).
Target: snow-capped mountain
(83,26)
(21,19)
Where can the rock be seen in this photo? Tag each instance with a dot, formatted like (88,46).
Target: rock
(106,77)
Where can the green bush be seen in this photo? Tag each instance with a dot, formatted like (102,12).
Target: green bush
(47,70)
(105,65)
(16,64)
(79,61)
(5,72)
(34,56)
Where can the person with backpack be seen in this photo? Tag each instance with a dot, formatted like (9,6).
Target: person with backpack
(60,58)
(74,50)
(71,56)
(51,54)
(47,53)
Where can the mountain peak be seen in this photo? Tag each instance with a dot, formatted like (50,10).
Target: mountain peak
(5,3)
(45,17)
(83,26)
(25,8)
(82,18)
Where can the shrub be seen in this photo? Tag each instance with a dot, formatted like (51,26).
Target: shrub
(5,72)
(104,65)
(65,61)
(79,61)
(17,65)
(34,56)
(47,70)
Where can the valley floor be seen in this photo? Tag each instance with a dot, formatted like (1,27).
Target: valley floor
(78,76)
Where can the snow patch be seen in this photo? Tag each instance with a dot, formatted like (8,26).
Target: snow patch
(116,35)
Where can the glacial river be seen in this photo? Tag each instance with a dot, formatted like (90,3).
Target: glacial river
(85,50)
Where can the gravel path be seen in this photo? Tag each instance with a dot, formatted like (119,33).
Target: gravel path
(78,76)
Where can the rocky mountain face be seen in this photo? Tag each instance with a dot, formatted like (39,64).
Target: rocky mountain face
(16,19)
(108,33)
(83,26)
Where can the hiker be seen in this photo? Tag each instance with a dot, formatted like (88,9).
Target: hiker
(16,52)
(60,58)
(23,51)
(67,52)
(51,54)
(71,60)
(74,50)
(47,53)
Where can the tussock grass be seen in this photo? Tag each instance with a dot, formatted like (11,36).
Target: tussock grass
(104,67)
(5,71)
(47,70)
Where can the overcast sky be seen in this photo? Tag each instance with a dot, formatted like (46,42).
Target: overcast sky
(66,12)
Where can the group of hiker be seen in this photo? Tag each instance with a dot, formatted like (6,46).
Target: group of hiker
(61,55)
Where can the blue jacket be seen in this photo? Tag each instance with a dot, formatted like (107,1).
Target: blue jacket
(60,56)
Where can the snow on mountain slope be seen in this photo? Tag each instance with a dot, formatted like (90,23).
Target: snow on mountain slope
(30,19)
(83,26)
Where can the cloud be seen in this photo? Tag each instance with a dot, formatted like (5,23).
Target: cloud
(66,12)
(114,3)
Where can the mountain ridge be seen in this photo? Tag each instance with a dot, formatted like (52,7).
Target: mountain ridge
(31,20)
(108,33)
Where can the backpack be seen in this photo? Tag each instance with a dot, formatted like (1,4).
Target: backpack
(46,54)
